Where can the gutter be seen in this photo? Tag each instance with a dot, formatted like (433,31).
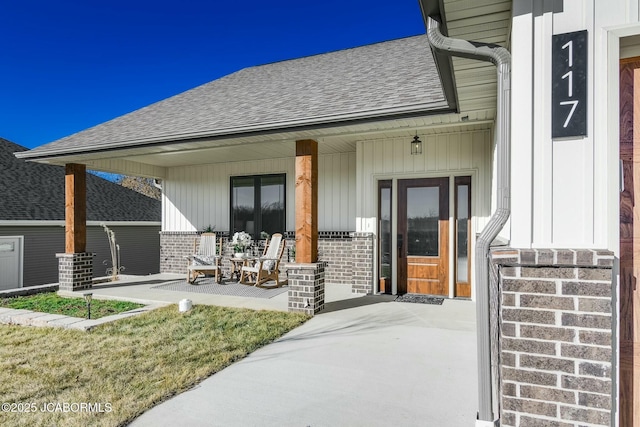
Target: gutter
(500,57)
(393,113)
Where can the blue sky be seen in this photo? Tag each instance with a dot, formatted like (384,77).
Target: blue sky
(69,65)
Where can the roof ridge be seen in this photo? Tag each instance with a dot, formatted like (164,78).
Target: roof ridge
(329,52)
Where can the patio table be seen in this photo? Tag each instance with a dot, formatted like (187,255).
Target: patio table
(237,263)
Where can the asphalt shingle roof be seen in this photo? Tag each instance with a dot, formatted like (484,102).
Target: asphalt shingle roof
(315,89)
(34,191)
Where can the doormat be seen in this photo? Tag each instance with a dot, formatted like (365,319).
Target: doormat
(229,288)
(420,299)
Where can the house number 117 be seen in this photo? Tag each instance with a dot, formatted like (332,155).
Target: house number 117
(569,85)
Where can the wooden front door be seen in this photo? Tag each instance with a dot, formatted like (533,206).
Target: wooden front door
(423,236)
(629,316)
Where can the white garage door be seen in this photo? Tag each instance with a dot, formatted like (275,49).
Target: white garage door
(10,262)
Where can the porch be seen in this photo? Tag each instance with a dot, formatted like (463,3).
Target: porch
(149,289)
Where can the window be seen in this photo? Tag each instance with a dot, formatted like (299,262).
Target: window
(384,229)
(463,229)
(258,204)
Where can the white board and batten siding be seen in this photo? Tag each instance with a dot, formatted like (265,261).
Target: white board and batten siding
(443,155)
(566,191)
(196,197)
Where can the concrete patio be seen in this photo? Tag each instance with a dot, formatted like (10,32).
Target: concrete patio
(364,361)
(141,289)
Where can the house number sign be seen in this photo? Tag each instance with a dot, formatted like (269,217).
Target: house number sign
(569,85)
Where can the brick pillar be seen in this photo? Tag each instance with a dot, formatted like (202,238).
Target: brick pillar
(556,329)
(75,271)
(362,256)
(306,287)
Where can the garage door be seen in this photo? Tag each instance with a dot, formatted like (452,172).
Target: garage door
(10,262)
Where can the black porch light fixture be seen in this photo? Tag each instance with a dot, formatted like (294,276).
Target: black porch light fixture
(416,145)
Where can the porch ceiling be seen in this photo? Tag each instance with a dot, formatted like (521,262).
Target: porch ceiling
(275,145)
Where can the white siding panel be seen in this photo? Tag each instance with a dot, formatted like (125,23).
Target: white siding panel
(429,152)
(565,191)
(336,187)
(196,197)
(466,153)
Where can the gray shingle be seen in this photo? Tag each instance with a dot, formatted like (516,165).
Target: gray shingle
(314,89)
(33,191)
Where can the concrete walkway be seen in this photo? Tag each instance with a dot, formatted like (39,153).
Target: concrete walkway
(369,362)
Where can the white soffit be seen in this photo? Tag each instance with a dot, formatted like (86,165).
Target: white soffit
(487,21)
(281,145)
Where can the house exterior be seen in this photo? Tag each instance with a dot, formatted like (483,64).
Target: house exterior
(32,222)
(528,132)
(230,146)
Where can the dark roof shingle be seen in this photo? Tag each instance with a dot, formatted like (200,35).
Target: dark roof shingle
(33,191)
(315,89)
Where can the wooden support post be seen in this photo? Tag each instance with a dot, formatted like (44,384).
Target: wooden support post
(306,201)
(75,208)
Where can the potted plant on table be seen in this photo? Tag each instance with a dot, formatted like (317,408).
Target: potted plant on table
(241,241)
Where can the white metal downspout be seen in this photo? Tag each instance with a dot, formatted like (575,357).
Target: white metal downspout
(501,57)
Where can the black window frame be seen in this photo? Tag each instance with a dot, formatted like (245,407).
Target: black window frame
(257,202)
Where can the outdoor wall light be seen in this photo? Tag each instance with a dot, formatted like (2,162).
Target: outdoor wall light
(416,145)
(87,298)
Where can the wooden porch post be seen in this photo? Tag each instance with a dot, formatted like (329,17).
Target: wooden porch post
(75,208)
(306,201)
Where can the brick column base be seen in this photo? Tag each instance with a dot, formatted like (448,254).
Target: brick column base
(362,255)
(306,287)
(75,271)
(556,330)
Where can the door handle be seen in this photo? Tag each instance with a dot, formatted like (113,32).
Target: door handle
(400,239)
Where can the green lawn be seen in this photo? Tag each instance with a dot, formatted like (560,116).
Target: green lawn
(50,302)
(127,366)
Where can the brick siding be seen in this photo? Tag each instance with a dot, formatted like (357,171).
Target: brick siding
(556,350)
(348,257)
(75,271)
(306,287)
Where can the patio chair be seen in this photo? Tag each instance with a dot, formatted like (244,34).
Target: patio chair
(266,267)
(205,260)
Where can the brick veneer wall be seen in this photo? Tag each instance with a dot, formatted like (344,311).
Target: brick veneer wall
(556,349)
(306,287)
(348,257)
(174,246)
(337,254)
(362,253)
(75,271)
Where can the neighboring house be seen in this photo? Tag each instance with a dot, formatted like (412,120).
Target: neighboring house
(558,310)
(32,217)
